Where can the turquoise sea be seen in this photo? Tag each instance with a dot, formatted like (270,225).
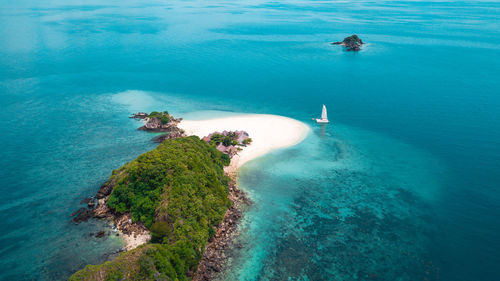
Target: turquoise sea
(403,185)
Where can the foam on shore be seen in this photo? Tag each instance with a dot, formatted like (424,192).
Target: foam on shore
(267,131)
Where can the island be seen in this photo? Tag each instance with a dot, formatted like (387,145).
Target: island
(160,122)
(351,43)
(177,206)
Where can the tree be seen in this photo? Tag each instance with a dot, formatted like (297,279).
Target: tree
(226,141)
(247,141)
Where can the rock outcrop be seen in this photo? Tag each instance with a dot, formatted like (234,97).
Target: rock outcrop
(175,132)
(156,125)
(352,43)
(133,233)
(139,115)
(160,122)
(81,215)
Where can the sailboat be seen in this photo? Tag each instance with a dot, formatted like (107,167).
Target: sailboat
(324,118)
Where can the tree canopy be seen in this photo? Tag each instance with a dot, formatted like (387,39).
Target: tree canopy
(164,116)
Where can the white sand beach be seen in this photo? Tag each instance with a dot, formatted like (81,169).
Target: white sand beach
(268,132)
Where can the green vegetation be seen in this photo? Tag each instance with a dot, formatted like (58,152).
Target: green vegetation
(123,267)
(163,116)
(216,139)
(247,141)
(179,191)
(228,140)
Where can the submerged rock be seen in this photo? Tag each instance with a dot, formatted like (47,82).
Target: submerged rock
(352,43)
(90,201)
(80,215)
(139,115)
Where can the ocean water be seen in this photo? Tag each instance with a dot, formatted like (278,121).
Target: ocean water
(403,185)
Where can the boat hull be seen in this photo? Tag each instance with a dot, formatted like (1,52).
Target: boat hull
(322,121)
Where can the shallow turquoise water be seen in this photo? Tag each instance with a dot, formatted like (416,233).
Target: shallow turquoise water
(403,185)
(352,211)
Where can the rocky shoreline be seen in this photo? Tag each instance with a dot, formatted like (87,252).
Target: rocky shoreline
(214,260)
(134,234)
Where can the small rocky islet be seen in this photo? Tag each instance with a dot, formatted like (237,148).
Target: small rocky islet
(351,43)
(160,122)
(184,243)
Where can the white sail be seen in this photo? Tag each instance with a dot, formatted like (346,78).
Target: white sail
(323,113)
(324,118)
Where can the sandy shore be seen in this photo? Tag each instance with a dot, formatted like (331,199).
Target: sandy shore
(268,132)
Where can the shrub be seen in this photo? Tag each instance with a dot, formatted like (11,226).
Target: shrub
(215,139)
(226,141)
(247,141)
(163,116)
(160,230)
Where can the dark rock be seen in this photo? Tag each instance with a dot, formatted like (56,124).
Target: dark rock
(156,124)
(80,215)
(352,43)
(139,115)
(77,212)
(100,234)
(86,200)
(102,210)
(105,190)
(174,133)
(90,201)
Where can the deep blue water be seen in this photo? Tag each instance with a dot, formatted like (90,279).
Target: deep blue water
(404,185)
